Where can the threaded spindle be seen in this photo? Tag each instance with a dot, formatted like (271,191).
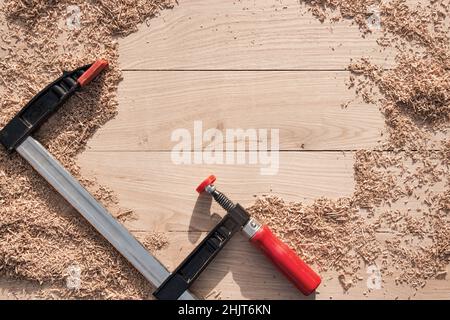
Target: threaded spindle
(224,202)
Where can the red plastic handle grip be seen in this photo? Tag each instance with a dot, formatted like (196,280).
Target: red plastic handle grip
(287,261)
(94,70)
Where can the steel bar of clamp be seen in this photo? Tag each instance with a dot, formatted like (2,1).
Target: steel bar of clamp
(116,234)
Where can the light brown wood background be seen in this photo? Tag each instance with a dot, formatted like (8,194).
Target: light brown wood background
(238,64)
(243,64)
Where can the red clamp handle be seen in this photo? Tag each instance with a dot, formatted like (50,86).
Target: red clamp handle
(93,71)
(286,260)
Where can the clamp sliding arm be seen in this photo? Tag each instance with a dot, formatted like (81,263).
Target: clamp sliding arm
(46,102)
(16,136)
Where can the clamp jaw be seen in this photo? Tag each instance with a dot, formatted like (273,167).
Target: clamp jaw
(46,102)
(196,262)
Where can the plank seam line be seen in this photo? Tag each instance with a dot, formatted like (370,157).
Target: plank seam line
(204,231)
(235,70)
(240,70)
(246,151)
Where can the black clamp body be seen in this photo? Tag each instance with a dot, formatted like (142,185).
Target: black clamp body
(189,270)
(40,108)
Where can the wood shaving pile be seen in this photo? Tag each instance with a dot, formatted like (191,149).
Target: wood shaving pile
(418,86)
(375,183)
(394,220)
(398,217)
(320,232)
(156,241)
(334,10)
(41,236)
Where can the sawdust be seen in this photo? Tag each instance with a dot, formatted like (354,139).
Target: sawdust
(423,24)
(41,235)
(322,233)
(155,241)
(336,235)
(375,182)
(395,219)
(418,86)
(334,10)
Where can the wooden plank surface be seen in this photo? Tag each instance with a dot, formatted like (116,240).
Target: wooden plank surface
(304,106)
(220,62)
(163,194)
(245,34)
(235,64)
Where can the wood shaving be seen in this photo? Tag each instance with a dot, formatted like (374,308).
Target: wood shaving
(409,241)
(155,241)
(418,86)
(328,233)
(41,235)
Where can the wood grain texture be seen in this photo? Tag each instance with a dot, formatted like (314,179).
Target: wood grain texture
(163,194)
(163,198)
(304,106)
(245,34)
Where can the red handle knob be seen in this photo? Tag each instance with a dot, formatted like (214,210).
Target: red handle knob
(90,74)
(287,261)
(210,180)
